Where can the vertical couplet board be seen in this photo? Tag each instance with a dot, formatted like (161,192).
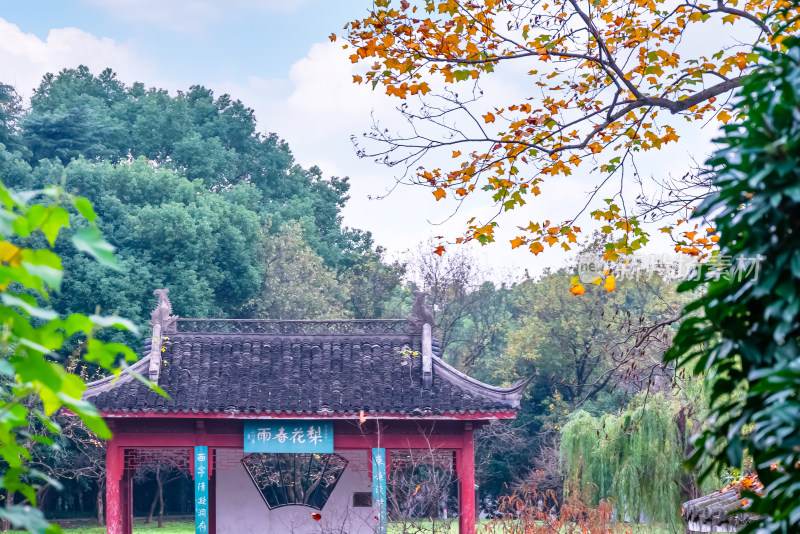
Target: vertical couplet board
(379,487)
(201,490)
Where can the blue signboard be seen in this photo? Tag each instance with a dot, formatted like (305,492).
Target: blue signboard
(285,435)
(379,487)
(201,490)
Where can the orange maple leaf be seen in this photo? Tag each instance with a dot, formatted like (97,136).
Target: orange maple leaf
(439,193)
(489,117)
(610,284)
(577,290)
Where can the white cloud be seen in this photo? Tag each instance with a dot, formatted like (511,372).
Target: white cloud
(317,111)
(26,58)
(188,15)
(320,108)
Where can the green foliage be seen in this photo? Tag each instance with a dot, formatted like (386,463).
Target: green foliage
(35,383)
(297,284)
(592,352)
(192,197)
(10,110)
(634,458)
(203,137)
(746,332)
(578,346)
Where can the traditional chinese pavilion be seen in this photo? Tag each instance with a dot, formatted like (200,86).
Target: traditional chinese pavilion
(293,426)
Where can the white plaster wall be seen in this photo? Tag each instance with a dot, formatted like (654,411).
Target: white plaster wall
(241,508)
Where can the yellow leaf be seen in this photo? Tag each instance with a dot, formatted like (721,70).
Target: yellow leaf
(610,284)
(516,242)
(724,116)
(577,290)
(439,193)
(10,254)
(488,118)
(456,153)
(536,247)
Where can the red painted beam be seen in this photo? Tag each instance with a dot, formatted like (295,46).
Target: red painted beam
(236,441)
(182,440)
(397,441)
(478,416)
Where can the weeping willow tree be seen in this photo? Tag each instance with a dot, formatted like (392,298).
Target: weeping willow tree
(634,458)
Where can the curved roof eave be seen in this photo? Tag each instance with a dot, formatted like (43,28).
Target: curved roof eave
(126,375)
(511,395)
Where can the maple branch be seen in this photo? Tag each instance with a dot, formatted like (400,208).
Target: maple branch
(676,106)
(602,46)
(722,8)
(569,55)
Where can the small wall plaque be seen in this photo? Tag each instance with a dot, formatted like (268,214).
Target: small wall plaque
(362,499)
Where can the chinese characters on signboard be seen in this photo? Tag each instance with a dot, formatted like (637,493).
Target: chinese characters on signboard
(284,435)
(201,490)
(379,487)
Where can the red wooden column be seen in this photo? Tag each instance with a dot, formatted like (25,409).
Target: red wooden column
(114,470)
(466,476)
(126,500)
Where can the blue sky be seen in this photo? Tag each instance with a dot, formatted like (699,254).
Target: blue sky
(244,41)
(276,57)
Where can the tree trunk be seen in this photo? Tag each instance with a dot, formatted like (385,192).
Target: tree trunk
(9,502)
(101,489)
(152,507)
(160,483)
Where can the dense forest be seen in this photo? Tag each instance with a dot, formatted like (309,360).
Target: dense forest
(194,197)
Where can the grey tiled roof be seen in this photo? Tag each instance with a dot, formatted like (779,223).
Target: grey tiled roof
(721,511)
(261,373)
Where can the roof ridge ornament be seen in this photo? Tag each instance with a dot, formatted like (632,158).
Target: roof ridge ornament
(162,314)
(420,313)
(163,322)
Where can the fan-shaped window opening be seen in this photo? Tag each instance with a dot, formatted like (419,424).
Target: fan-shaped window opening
(295,479)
